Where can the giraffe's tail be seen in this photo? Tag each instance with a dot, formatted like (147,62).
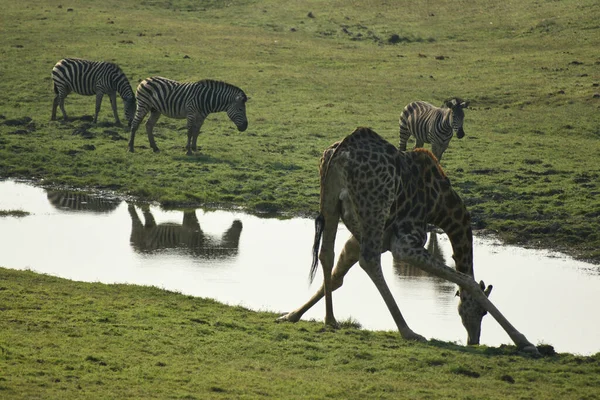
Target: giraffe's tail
(319,227)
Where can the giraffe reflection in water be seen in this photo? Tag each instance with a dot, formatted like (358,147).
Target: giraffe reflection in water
(404,269)
(79,201)
(150,237)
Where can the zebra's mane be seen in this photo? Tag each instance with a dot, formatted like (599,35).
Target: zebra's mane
(433,157)
(218,82)
(458,101)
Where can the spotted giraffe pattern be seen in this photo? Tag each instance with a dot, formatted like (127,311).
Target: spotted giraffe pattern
(386,198)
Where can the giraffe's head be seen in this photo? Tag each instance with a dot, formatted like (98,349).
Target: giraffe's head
(471,313)
(457,105)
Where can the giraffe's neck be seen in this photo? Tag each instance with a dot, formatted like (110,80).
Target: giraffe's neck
(462,247)
(455,221)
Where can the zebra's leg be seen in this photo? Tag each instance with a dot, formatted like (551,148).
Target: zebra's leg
(419,143)
(113,103)
(404,136)
(193,136)
(348,258)
(139,117)
(54,106)
(154,115)
(99,96)
(61,103)
(199,123)
(149,221)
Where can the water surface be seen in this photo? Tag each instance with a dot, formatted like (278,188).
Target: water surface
(263,264)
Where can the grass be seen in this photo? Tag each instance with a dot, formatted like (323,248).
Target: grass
(314,70)
(65,339)
(13,213)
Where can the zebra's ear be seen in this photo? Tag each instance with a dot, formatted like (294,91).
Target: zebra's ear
(451,103)
(465,104)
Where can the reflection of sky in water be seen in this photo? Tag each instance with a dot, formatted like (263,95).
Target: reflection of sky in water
(548,297)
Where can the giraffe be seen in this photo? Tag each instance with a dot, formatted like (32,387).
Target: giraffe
(386,198)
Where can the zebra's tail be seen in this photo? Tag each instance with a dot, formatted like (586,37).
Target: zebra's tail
(319,228)
(404,131)
(54,88)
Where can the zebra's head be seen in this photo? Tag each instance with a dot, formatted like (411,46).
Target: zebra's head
(457,105)
(236,111)
(130,108)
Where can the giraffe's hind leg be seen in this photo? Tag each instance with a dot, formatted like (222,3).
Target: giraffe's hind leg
(348,257)
(326,256)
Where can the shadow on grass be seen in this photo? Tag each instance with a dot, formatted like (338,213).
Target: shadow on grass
(201,158)
(502,350)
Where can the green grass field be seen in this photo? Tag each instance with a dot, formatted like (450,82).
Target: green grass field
(314,70)
(71,340)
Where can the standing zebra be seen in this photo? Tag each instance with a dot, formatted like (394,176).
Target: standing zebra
(430,124)
(90,78)
(191,100)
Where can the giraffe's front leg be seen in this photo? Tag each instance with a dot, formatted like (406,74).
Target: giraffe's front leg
(348,257)
(421,258)
(372,267)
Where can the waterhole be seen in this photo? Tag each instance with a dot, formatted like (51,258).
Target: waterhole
(263,264)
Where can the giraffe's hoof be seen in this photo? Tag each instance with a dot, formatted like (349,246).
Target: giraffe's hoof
(531,350)
(332,323)
(414,336)
(289,317)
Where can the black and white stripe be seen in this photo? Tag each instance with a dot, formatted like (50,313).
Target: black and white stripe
(90,78)
(191,100)
(78,201)
(430,124)
(150,237)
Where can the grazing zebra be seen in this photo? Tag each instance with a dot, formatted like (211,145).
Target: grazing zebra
(76,201)
(191,100)
(430,124)
(150,237)
(90,78)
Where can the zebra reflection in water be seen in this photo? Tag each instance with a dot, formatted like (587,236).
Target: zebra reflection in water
(150,237)
(405,270)
(77,201)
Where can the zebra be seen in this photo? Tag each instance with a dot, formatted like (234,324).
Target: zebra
(90,78)
(150,237)
(191,100)
(430,124)
(77,201)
